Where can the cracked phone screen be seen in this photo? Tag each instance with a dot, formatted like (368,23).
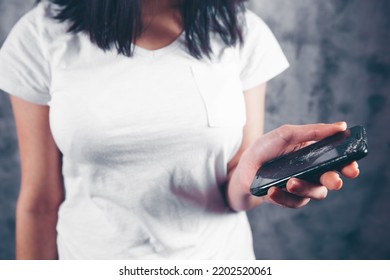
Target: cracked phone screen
(310,162)
(336,146)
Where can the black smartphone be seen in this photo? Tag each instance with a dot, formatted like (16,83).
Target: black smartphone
(331,153)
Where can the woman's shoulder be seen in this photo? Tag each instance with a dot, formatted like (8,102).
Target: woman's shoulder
(40,21)
(254,23)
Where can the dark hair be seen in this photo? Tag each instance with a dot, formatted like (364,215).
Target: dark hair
(118,22)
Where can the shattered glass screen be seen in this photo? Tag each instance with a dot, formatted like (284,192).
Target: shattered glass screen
(336,146)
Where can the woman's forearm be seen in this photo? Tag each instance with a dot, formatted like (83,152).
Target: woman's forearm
(36,234)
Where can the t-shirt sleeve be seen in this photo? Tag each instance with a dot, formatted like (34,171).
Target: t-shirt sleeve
(24,69)
(261,56)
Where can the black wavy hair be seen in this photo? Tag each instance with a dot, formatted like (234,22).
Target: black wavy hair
(118,22)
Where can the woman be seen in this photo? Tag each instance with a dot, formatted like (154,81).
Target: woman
(139,127)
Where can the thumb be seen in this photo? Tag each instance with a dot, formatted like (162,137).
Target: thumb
(279,141)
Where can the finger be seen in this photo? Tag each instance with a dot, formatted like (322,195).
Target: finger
(274,143)
(331,180)
(351,170)
(306,189)
(286,199)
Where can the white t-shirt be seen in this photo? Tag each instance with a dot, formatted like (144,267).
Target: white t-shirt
(145,140)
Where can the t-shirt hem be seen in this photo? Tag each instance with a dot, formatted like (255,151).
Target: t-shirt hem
(22,92)
(256,81)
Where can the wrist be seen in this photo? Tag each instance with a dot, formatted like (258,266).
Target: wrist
(238,195)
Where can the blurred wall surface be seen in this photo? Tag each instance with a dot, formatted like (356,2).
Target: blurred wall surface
(340,67)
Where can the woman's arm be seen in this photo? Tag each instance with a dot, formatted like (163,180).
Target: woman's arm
(41,190)
(253,129)
(254,126)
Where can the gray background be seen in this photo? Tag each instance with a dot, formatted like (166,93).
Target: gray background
(340,67)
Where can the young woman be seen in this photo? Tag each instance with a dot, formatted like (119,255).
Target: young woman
(139,126)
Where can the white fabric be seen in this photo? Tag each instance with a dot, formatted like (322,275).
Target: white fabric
(145,140)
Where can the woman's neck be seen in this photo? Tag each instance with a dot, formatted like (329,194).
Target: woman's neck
(151,6)
(162,23)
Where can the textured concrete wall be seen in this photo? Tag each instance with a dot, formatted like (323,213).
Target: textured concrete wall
(10,11)
(340,57)
(340,70)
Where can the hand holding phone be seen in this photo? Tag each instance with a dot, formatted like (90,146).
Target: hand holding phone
(331,153)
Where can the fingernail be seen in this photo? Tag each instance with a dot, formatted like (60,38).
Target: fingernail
(339,184)
(293,184)
(341,124)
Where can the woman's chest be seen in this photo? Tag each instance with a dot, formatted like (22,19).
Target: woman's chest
(116,107)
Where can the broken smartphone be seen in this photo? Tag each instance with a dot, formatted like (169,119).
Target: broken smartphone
(308,163)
